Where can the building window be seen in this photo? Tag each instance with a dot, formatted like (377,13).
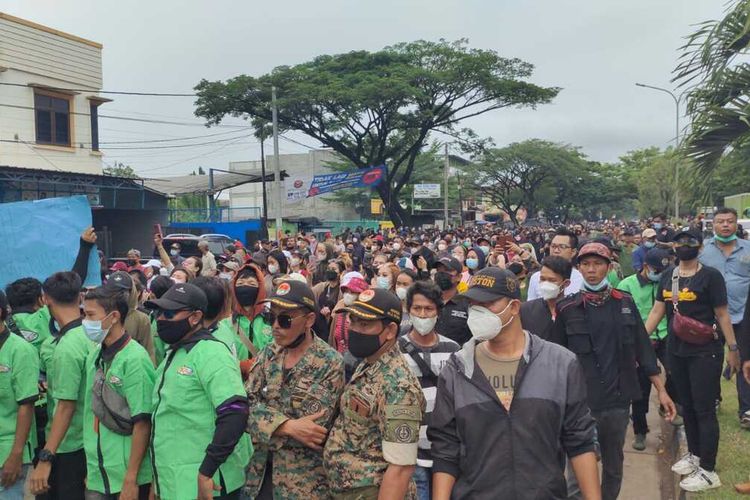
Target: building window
(52,119)
(94,126)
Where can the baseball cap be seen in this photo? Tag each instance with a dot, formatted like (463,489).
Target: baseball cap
(687,231)
(354,281)
(594,248)
(376,304)
(657,259)
(231,265)
(450,263)
(292,294)
(153,263)
(648,233)
(120,280)
(180,296)
(491,284)
(119,266)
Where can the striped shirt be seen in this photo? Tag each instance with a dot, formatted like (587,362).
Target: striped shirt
(435,357)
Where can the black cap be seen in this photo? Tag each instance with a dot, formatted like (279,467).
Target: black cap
(493,283)
(449,263)
(180,296)
(688,231)
(292,294)
(483,239)
(657,259)
(376,303)
(119,280)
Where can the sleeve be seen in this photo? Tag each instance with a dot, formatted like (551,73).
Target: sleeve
(442,431)
(664,283)
(334,383)
(138,386)
(219,373)
(637,260)
(68,363)
(559,334)
(533,287)
(400,418)
(717,289)
(579,427)
(81,266)
(263,418)
(25,374)
(644,350)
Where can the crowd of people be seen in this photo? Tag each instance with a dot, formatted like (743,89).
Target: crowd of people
(469,362)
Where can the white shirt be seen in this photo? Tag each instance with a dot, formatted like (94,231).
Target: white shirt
(576,283)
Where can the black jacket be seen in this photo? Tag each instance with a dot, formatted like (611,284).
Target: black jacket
(537,318)
(520,454)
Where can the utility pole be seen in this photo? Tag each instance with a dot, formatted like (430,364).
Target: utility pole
(445,188)
(263,173)
(276,166)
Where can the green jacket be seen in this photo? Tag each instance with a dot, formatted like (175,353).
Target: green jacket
(230,336)
(63,359)
(34,326)
(194,379)
(19,373)
(644,293)
(129,372)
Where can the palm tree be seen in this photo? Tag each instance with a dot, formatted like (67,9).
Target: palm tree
(718,85)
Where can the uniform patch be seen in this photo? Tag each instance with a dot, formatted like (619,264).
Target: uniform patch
(29,335)
(626,310)
(185,370)
(4,368)
(366,296)
(283,289)
(115,380)
(404,433)
(312,406)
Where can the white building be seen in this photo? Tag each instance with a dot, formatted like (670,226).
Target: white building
(304,165)
(49,83)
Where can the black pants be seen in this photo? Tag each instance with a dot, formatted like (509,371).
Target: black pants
(743,388)
(639,408)
(697,380)
(611,427)
(66,479)
(143,491)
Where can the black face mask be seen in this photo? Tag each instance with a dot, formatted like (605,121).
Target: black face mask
(687,253)
(361,345)
(331,275)
(172,332)
(246,295)
(443,280)
(300,338)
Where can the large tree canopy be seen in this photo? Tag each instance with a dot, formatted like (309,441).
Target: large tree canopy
(380,107)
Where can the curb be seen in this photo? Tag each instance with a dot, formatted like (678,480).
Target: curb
(673,445)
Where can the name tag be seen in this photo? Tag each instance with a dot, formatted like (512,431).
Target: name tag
(459,314)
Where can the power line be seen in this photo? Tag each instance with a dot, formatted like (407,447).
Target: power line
(174,146)
(114,92)
(296,142)
(188,159)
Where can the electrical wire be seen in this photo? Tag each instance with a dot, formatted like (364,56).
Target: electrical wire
(114,92)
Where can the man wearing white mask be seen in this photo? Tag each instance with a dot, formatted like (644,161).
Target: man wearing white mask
(426,353)
(508,406)
(538,315)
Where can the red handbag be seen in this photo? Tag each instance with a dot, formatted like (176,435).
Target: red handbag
(688,329)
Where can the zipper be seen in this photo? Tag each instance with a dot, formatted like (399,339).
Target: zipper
(170,358)
(100,458)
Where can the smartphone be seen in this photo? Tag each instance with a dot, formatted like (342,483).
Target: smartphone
(504,240)
(157,230)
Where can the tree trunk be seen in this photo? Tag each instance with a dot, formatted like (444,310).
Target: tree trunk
(396,213)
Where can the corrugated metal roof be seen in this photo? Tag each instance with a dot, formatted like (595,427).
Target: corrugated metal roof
(198,184)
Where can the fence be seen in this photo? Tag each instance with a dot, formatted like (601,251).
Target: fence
(218,214)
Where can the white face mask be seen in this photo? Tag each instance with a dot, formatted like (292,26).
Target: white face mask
(226,276)
(423,326)
(397,246)
(350,298)
(549,290)
(273,269)
(484,324)
(295,261)
(401,292)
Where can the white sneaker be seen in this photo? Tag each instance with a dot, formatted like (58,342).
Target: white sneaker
(688,464)
(700,480)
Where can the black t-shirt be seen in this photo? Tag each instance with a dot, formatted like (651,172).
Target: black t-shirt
(452,320)
(698,296)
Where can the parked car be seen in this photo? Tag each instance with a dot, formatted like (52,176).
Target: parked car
(217,243)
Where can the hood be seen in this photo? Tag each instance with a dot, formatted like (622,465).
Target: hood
(480,257)
(237,309)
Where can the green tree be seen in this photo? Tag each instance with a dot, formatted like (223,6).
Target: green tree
(381,107)
(120,170)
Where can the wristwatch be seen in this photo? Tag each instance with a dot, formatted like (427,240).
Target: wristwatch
(733,348)
(46,455)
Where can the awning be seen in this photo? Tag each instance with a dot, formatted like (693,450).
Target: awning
(200,184)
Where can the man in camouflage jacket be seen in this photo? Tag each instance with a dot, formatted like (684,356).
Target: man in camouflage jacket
(293,387)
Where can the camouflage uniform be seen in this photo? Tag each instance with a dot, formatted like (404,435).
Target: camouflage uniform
(380,413)
(313,384)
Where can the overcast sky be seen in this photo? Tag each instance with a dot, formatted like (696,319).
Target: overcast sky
(594,49)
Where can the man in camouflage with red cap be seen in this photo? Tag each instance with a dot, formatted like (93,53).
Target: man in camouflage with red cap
(602,326)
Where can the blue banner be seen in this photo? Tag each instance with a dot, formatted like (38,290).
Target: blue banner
(42,237)
(369,177)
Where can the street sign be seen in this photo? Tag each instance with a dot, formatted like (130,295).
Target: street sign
(422,191)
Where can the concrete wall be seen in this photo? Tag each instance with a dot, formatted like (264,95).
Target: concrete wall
(33,54)
(307,164)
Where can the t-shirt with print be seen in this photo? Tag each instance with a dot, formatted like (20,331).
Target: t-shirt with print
(698,296)
(500,373)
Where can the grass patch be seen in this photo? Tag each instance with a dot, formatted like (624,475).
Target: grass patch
(733,462)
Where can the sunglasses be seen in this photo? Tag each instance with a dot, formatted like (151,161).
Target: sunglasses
(170,314)
(284,319)
(687,243)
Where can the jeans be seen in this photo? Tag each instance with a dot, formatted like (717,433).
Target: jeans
(67,477)
(423,480)
(611,427)
(743,388)
(697,380)
(639,409)
(15,492)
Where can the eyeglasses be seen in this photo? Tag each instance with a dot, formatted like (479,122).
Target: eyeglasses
(559,246)
(170,314)
(284,319)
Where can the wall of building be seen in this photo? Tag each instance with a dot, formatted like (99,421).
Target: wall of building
(36,55)
(308,164)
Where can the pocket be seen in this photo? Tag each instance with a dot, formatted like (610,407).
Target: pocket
(308,398)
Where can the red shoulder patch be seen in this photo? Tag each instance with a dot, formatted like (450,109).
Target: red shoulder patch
(617,294)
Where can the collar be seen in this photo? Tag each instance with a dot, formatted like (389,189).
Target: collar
(107,354)
(466,354)
(4,336)
(643,281)
(24,309)
(73,324)
(739,244)
(188,344)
